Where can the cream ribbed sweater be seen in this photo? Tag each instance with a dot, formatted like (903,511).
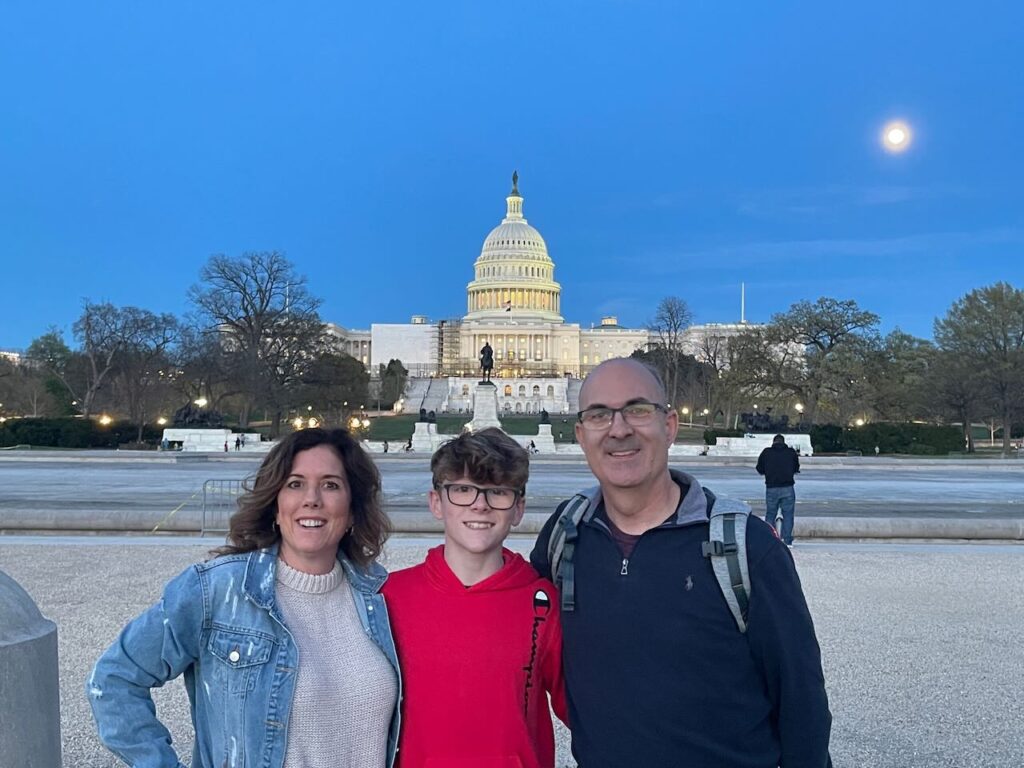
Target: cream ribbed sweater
(345,689)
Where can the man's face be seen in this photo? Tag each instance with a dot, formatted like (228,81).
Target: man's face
(626,455)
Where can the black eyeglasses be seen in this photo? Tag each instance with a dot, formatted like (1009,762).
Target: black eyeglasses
(463,495)
(635,414)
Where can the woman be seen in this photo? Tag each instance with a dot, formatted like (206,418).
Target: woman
(283,639)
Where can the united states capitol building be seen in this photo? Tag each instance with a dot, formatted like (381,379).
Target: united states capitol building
(513,303)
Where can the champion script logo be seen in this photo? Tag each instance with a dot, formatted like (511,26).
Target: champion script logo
(541,608)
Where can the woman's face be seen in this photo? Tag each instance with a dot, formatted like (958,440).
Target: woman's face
(314,510)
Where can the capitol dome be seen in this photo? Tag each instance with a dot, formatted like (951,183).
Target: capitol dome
(514,278)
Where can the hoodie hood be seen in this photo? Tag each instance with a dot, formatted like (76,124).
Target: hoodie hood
(514,573)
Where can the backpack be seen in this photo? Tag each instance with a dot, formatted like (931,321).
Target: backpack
(726,547)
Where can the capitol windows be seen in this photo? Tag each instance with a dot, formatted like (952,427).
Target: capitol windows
(522,390)
(551,390)
(536,390)
(508,391)
(465,390)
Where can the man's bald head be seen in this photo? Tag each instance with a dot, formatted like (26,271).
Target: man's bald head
(617,366)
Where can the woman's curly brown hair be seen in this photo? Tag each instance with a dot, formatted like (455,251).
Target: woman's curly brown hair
(252,526)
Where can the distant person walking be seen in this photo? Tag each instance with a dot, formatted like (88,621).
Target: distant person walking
(779,463)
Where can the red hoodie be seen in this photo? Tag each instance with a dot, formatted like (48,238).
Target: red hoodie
(477,663)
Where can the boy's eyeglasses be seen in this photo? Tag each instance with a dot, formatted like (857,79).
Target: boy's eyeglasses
(462,495)
(635,414)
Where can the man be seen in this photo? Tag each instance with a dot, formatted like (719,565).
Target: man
(657,672)
(486,361)
(778,463)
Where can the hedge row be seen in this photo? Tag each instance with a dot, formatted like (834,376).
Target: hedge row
(73,433)
(918,439)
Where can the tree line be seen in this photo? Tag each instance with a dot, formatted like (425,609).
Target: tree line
(826,362)
(252,346)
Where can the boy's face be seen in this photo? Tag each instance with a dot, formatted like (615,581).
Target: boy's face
(481,527)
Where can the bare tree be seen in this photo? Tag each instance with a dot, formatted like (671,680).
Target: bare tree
(144,363)
(102,330)
(267,322)
(671,319)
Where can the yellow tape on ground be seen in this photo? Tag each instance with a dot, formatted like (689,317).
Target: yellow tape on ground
(174,511)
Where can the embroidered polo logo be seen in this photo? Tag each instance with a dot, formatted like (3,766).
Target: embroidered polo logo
(689,582)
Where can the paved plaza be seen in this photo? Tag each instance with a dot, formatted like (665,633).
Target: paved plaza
(921,642)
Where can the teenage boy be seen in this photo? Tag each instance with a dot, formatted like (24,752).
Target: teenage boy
(477,630)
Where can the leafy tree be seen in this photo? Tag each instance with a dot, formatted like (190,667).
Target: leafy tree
(24,391)
(813,352)
(691,376)
(268,323)
(897,373)
(985,330)
(335,384)
(393,378)
(66,369)
(671,319)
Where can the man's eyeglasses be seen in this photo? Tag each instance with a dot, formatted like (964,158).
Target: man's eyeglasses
(635,414)
(463,495)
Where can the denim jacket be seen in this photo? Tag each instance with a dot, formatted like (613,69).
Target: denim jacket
(218,625)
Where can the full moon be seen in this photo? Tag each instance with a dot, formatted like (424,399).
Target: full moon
(896,136)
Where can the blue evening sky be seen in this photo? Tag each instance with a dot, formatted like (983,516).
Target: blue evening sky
(664,148)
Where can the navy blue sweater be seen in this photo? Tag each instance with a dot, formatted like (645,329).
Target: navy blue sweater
(659,676)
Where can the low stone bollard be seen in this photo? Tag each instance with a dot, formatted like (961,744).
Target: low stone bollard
(29,689)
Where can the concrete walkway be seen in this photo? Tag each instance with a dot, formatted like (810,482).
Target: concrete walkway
(921,644)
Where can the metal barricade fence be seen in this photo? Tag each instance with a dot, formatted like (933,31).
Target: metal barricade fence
(220,501)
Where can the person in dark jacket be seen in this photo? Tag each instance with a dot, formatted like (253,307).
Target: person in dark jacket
(778,463)
(657,672)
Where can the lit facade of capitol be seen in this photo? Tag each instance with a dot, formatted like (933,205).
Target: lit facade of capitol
(513,303)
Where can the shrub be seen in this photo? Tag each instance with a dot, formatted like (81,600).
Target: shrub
(827,438)
(711,435)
